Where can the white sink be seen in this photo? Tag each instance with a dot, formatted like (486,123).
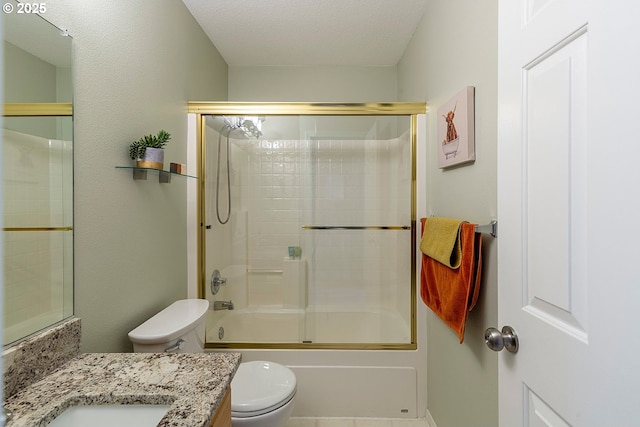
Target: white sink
(111,415)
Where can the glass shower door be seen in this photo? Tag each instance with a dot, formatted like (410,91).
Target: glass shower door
(308,218)
(357,229)
(37,173)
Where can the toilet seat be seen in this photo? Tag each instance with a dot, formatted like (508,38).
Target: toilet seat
(260,387)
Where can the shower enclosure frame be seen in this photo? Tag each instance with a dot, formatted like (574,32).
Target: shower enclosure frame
(202,109)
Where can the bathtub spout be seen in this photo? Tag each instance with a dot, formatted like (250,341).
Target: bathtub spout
(223,305)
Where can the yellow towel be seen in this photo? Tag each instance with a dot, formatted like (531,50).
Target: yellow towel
(441,240)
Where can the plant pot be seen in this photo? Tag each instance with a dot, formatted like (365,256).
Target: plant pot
(153,159)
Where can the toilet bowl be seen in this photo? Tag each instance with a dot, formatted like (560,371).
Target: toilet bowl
(262,393)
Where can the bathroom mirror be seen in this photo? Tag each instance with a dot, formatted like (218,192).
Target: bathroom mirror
(37,173)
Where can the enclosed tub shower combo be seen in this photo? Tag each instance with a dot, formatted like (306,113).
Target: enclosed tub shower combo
(307,239)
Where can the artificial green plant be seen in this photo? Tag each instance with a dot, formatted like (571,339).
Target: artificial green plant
(138,148)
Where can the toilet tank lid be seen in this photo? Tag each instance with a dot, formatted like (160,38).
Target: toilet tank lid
(172,322)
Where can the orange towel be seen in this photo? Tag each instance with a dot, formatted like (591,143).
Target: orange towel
(450,293)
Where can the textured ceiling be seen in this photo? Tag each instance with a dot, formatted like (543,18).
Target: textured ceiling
(309,32)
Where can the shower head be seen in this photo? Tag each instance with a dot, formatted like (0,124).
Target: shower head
(247,127)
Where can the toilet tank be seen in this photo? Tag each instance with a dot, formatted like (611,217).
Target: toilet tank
(179,328)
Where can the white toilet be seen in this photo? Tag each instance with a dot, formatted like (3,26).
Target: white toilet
(262,393)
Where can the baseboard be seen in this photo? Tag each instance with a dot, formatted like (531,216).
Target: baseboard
(429,418)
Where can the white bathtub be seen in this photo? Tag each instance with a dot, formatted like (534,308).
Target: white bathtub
(326,325)
(333,383)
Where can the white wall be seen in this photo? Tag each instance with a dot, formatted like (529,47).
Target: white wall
(312,84)
(456,46)
(135,68)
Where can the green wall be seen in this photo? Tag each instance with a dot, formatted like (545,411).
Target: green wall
(456,46)
(135,68)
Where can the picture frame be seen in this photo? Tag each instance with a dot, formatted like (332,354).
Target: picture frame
(456,129)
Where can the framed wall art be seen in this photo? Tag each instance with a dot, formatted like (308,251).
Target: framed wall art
(456,138)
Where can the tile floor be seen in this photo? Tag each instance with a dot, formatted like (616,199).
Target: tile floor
(356,422)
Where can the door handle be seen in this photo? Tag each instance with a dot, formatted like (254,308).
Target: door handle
(497,340)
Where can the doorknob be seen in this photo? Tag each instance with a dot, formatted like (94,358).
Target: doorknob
(497,340)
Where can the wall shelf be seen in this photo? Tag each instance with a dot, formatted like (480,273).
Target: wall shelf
(164,177)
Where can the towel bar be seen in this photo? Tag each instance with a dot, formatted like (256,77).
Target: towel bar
(356,227)
(67,228)
(491,228)
(263,271)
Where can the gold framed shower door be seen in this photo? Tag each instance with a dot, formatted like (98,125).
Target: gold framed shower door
(411,109)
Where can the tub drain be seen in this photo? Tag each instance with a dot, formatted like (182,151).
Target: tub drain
(220,333)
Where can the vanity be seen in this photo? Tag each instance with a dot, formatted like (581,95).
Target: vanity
(193,387)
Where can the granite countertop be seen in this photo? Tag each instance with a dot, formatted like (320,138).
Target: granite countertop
(192,383)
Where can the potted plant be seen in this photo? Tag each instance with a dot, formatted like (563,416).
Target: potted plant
(148,151)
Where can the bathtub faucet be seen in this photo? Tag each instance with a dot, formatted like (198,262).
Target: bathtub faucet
(223,305)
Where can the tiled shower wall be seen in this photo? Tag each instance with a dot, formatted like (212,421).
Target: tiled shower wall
(291,184)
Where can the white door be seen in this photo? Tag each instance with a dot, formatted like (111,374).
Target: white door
(569,211)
